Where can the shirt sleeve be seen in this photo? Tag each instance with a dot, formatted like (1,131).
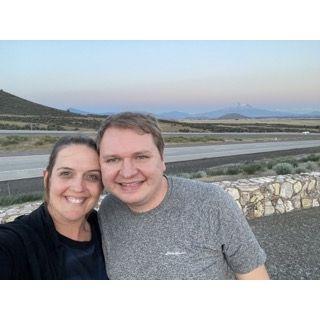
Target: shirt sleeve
(239,245)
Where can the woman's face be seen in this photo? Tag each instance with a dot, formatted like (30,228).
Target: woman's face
(75,183)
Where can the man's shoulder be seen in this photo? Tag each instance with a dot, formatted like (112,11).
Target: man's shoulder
(109,201)
(206,192)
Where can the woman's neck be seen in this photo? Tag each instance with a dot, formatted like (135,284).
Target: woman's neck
(75,230)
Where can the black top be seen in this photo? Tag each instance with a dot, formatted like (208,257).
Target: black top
(83,260)
(31,248)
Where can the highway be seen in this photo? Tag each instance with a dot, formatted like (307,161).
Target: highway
(293,135)
(18,167)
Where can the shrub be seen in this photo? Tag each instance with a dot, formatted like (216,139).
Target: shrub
(311,166)
(313,157)
(10,200)
(185,175)
(233,170)
(292,161)
(283,168)
(300,169)
(215,171)
(198,174)
(270,164)
(10,140)
(251,168)
(45,140)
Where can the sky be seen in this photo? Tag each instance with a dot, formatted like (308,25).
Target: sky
(160,76)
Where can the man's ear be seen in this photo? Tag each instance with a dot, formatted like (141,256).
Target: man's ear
(164,168)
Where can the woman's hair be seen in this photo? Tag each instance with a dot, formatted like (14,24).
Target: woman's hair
(58,146)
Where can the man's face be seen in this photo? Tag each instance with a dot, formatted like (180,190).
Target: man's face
(132,168)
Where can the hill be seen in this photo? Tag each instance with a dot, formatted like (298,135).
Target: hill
(234,116)
(13,105)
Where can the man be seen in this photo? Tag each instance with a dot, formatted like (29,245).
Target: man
(159,227)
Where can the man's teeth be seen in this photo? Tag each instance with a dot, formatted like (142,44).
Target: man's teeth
(75,200)
(130,183)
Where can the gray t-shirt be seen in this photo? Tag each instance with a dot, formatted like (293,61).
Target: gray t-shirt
(197,232)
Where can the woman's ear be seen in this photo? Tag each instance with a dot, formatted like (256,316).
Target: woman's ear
(45,178)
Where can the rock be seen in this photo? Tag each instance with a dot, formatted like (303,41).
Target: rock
(248,188)
(270,188)
(258,210)
(11,218)
(256,197)
(280,208)
(296,201)
(306,203)
(286,190)
(245,197)
(311,185)
(234,193)
(276,188)
(297,187)
(288,205)
(268,208)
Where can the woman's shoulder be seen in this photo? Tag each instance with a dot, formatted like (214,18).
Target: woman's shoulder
(24,226)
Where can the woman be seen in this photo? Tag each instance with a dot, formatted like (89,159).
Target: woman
(61,239)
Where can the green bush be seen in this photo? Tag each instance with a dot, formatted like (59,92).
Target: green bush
(198,174)
(313,157)
(233,170)
(10,200)
(215,171)
(310,165)
(185,175)
(10,140)
(292,161)
(270,164)
(45,140)
(251,168)
(283,168)
(300,169)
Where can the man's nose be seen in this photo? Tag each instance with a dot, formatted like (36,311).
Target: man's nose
(128,169)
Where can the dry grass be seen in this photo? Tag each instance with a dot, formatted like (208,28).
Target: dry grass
(296,122)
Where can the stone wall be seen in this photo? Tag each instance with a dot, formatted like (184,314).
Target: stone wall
(256,196)
(259,197)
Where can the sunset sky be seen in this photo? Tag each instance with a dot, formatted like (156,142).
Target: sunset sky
(159,76)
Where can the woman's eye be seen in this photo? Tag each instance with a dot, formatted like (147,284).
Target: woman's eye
(65,174)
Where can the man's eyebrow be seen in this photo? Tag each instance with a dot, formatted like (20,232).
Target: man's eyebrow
(106,156)
(64,168)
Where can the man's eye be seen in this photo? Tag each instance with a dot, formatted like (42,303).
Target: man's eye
(142,157)
(65,173)
(112,160)
(93,177)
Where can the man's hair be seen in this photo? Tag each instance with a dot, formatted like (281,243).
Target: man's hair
(139,122)
(60,145)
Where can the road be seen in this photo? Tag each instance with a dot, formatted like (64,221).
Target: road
(292,243)
(18,167)
(289,135)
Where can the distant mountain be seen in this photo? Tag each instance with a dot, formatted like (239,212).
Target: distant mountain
(246,111)
(313,114)
(173,115)
(73,110)
(233,116)
(13,105)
